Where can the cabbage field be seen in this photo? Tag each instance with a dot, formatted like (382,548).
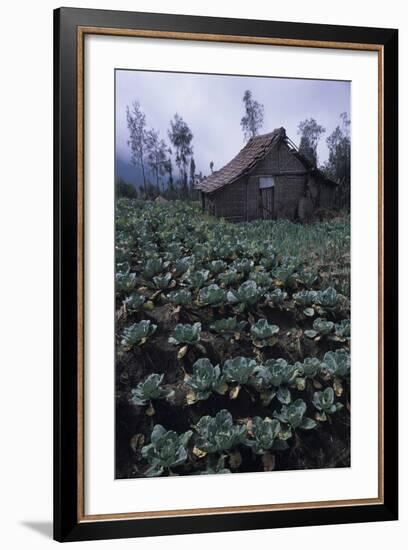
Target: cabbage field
(232,343)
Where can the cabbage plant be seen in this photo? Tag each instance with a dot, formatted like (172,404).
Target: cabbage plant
(294,415)
(137,334)
(197,279)
(238,369)
(321,327)
(263,334)
(134,302)
(269,260)
(337,363)
(342,330)
(275,377)
(180,297)
(261,278)
(162,281)
(215,465)
(328,298)
(219,433)
(150,389)
(276,297)
(310,367)
(211,295)
(205,379)
(166,450)
(306,297)
(248,294)
(125,282)
(153,266)
(325,403)
(229,277)
(185,334)
(242,265)
(183,264)
(228,327)
(265,435)
(216,266)
(285,273)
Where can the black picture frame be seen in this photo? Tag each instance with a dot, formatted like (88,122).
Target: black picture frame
(67,525)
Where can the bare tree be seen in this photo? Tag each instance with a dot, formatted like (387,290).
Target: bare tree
(181,137)
(310,133)
(136,122)
(156,154)
(252,121)
(192,174)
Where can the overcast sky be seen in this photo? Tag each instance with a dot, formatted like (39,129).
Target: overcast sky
(212,107)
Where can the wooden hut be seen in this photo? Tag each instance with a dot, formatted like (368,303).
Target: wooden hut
(269,178)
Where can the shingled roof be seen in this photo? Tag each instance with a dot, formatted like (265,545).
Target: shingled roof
(254,151)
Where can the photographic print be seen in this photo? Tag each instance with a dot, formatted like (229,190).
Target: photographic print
(232,236)
(205,210)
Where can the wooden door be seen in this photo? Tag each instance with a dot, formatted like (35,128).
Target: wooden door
(267,203)
(267,195)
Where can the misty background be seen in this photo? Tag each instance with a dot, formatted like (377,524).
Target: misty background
(212,107)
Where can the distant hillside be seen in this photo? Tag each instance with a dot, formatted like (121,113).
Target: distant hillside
(129,173)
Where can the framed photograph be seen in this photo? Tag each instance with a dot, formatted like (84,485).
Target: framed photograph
(225,274)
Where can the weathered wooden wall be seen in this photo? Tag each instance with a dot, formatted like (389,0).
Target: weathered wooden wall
(241,200)
(288,188)
(230,201)
(327,192)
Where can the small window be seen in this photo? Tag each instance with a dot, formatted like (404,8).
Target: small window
(266,181)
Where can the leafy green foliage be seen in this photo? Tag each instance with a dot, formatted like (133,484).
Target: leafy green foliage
(240,281)
(219,433)
(261,278)
(135,302)
(216,266)
(166,450)
(324,401)
(162,281)
(276,298)
(125,282)
(228,327)
(310,367)
(294,415)
(265,435)
(150,389)
(243,265)
(328,298)
(229,277)
(137,334)
(306,297)
(205,379)
(321,327)
(337,363)
(183,264)
(153,266)
(276,372)
(215,465)
(186,334)
(238,369)
(180,297)
(263,334)
(343,329)
(248,294)
(211,295)
(197,279)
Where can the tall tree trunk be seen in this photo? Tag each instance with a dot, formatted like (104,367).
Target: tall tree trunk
(157,176)
(144,178)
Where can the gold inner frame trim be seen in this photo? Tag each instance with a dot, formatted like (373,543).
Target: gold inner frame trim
(81,33)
